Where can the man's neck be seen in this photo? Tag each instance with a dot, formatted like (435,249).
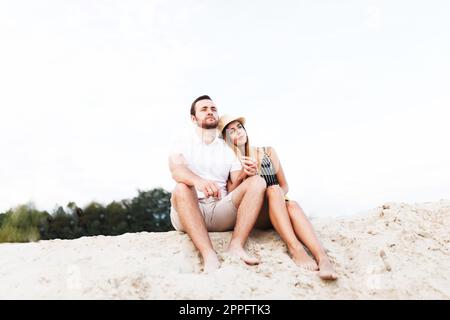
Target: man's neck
(207,136)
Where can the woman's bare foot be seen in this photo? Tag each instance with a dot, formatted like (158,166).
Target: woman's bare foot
(211,262)
(302,259)
(240,252)
(326,270)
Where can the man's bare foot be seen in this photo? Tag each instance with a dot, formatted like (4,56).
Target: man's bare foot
(240,252)
(211,263)
(302,259)
(326,270)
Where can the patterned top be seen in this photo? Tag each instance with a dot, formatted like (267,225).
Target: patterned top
(267,170)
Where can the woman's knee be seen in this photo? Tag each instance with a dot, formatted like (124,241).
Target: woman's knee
(273,191)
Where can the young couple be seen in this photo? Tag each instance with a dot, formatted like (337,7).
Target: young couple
(225,184)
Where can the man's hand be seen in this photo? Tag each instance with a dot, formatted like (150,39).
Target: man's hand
(250,166)
(209,188)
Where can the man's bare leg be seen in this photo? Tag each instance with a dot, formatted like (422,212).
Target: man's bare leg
(279,216)
(248,198)
(185,201)
(305,232)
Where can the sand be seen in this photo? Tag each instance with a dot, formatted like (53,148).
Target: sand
(394,251)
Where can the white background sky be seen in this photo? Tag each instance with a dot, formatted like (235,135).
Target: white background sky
(354,95)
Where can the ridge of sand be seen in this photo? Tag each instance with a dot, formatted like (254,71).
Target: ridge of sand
(394,251)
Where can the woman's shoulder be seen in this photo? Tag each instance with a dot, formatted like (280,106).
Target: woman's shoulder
(269,150)
(263,148)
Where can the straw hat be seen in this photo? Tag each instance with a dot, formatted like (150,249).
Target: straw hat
(227,119)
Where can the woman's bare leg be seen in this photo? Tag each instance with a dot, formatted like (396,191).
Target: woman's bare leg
(263,221)
(279,216)
(305,232)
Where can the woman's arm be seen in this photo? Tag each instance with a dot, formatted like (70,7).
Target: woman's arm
(249,168)
(235,179)
(278,170)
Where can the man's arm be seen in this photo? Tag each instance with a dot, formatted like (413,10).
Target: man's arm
(182,174)
(180,171)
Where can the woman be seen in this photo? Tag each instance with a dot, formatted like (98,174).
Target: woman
(285,215)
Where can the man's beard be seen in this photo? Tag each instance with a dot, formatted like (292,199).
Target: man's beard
(212,125)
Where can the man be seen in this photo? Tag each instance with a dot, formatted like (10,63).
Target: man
(200,201)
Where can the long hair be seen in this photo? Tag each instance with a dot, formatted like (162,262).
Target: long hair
(251,152)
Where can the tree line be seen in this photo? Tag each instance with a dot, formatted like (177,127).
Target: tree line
(148,211)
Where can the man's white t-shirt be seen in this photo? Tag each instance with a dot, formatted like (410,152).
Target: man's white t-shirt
(212,161)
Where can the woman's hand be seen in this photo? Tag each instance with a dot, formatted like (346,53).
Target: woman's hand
(249,166)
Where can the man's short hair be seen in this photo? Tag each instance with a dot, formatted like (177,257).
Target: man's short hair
(204,97)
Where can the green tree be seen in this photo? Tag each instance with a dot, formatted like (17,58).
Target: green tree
(2,217)
(61,225)
(22,224)
(150,211)
(116,218)
(92,219)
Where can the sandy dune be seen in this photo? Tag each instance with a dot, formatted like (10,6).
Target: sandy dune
(395,251)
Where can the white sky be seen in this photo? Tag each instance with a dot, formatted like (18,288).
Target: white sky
(354,95)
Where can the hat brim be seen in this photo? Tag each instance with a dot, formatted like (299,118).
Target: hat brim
(225,123)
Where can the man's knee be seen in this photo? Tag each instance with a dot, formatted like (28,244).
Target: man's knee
(181,190)
(257,183)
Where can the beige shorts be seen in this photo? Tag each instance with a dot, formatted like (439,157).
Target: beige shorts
(219,215)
